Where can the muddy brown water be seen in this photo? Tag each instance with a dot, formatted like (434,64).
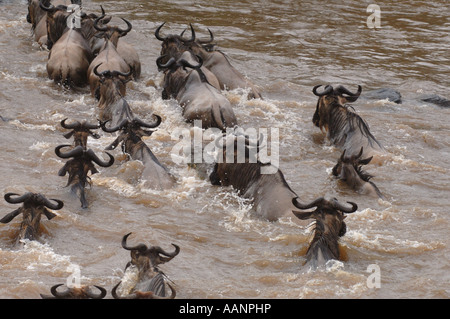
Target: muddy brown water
(285,48)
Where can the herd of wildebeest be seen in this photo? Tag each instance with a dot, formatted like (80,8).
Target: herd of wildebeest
(196,73)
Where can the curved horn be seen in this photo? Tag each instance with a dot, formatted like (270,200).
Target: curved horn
(58,294)
(140,247)
(360,153)
(211,38)
(100,28)
(192,39)
(47,202)
(335,204)
(342,90)
(128,29)
(170,256)
(149,125)
(167,65)
(343,155)
(98,161)
(328,89)
(49,8)
(117,73)
(116,296)
(157,32)
(312,204)
(77,151)
(77,124)
(114,129)
(90,126)
(100,295)
(17,200)
(185,63)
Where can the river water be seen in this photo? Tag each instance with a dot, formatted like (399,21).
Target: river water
(285,48)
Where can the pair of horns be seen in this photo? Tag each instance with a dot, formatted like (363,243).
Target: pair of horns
(80,151)
(70,292)
(340,90)
(135,122)
(38,198)
(103,27)
(108,73)
(143,249)
(181,63)
(78,125)
(322,204)
(160,38)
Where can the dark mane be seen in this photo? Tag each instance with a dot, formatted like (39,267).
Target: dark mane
(344,122)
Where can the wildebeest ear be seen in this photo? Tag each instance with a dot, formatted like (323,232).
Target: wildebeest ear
(69,134)
(303,215)
(9,217)
(49,214)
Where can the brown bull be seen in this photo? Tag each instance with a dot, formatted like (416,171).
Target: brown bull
(216,61)
(131,133)
(349,170)
(345,128)
(329,227)
(80,131)
(81,162)
(108,58)
(199,99)
(33,206)
(151,281)
(112,105)
(83,292)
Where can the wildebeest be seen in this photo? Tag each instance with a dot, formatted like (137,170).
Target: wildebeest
(329,226)
(270,193)
(33,206)
(131,133)
(112,105)
(38,18)
(198,98)
(81,162)
(349,170)
(345,128)
(151,281)
(108,58)
(216,61)
(82,292)
(124,49)
(80,131)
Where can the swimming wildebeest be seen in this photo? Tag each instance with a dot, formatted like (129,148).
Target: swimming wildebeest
(349,170)
(112,105)
(198,98)
(81,162)
(328,228)
(345,128)
(108,58)
(216,61)
(151,281)
(33,206)
(131,133)
(261,182)
(83,292)
(80,131)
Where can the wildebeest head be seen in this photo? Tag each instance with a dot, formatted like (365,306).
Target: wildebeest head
(33,205)
(173,45)
(112,33)
(177,74)
(131,133)
(83,292)
(329,226)
(331,98)
(113,84)
(146,260)
(349,170)
(81,162)
(80,131)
